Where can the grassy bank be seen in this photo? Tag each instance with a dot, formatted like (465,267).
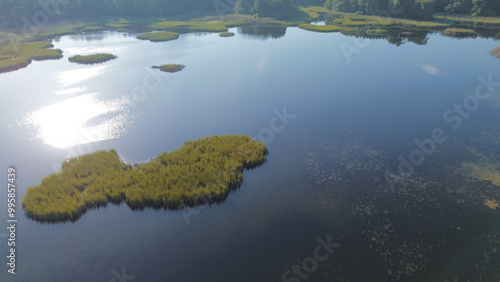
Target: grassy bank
(19,55)
(202,171)
(170,68)
(92,59)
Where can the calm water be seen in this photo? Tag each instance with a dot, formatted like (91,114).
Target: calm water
(380,98)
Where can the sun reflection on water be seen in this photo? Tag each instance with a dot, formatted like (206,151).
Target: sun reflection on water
(79,120)
(69,77)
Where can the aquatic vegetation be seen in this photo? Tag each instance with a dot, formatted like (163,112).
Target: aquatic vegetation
(20,55)
(484,171)
(92,59)
(170,68)
(226,34)
(459,32)
(200,172)
(496,52)
(158,36)
(407,228)
(319,28)
(492,204)
(376,32)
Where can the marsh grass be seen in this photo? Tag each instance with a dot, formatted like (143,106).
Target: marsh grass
(20,55)
(201,172)
(158,36)
(92,59)
(170,67)
(320,28)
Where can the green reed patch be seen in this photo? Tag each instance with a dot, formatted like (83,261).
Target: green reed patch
(158,36)
(200,172)
(170,67)
(226,34)
(92,59)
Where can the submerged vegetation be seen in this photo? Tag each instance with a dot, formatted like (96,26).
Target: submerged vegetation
(19,55)
(200,172)
(170,67)
(92,59)
(158,36)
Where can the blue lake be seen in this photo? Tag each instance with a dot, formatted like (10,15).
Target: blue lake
(335,111)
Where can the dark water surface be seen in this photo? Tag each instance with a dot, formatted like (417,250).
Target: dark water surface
(352,117)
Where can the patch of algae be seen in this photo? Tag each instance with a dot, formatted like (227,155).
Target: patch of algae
(484,171)
(492,204)
(408,231)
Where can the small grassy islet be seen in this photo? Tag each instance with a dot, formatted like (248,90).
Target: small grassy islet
(92,59)
(158,36)
(170,67)
(226,34)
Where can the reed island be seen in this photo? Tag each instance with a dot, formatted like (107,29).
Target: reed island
(202,171)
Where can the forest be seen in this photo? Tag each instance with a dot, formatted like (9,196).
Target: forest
(202,171)
(14,13)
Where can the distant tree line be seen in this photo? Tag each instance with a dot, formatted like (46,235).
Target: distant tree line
(416,9)
(15,12)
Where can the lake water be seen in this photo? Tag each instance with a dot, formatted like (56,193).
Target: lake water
(351,107)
